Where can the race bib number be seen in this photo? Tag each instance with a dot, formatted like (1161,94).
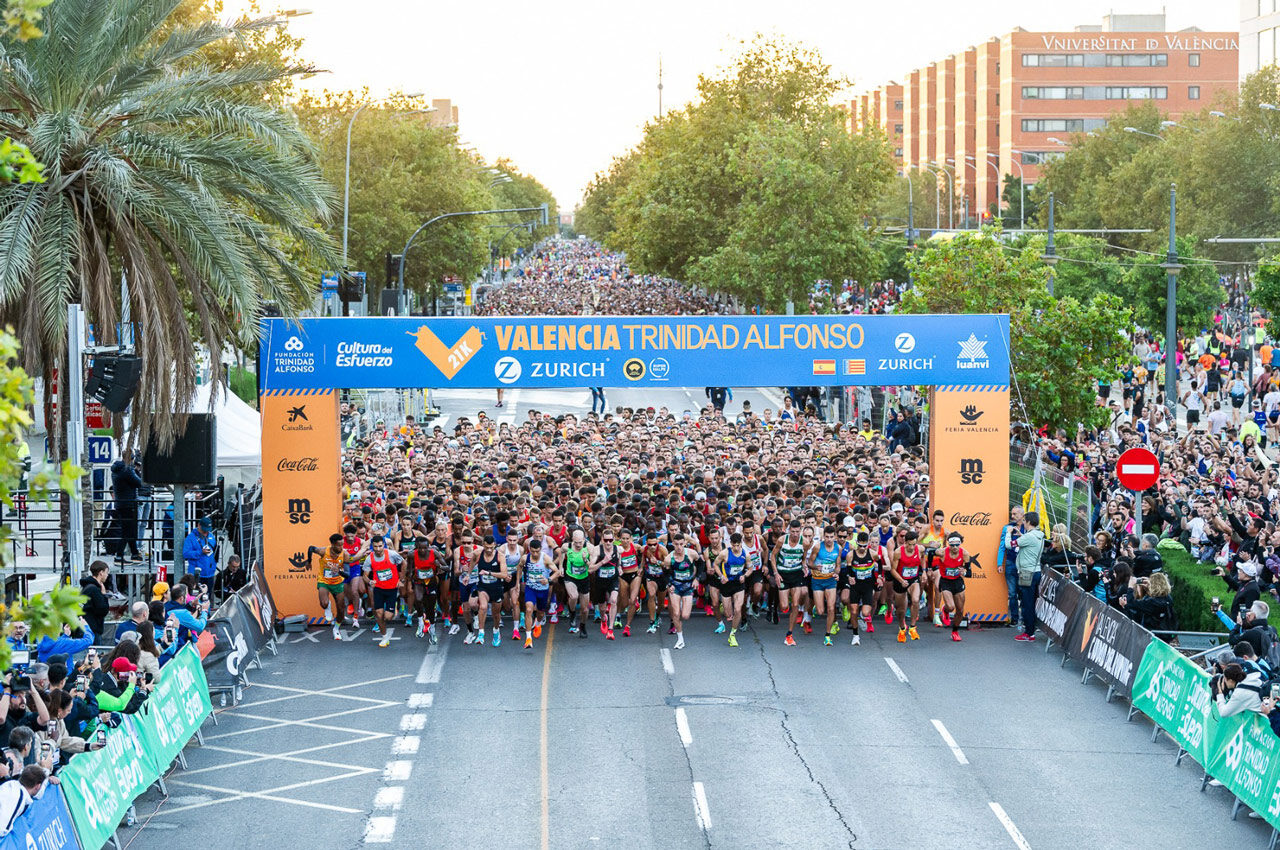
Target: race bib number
(384,574)
(910,572)
(423,575)
(330,572)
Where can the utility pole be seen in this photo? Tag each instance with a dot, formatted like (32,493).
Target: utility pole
(659,86)
(1050,255)
(1172,267)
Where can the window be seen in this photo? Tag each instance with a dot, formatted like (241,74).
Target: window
(1193,92)
(897,128)
(1053,92)
(1062,125)
(1052,60)
(897,152)
(1137,92)
(1137,60)
(1193,59)
(1040,157)
(897,104)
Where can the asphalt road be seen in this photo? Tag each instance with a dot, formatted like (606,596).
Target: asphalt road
(582,743)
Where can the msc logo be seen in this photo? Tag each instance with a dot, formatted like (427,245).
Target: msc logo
(633,369)
(507,370)
(299,511)
(905,342)
(299,412)
(293,344)
(970,415)
(970,470)
(299,563)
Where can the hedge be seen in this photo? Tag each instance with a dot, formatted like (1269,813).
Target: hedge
(1193,591)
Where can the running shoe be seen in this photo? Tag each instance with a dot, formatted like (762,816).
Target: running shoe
(408,617)
(653,628)
(915,635)
(946,618)
(355,622)
(902,635)
(497,637)
(871,627)
(604,629)
(808,628)
(555,617)
(680,641)
(888,618)
(595,614)
(537,630)
(480,637)
(376,630)
(422,627)
(883,609)
(790,641)
(337,635)
(857,639)
(515,634)
(617,621)
(720,628)
(609,634)
(826,641)
(845,613)
(528,643)
(470,638)
(785,609)
(835,629)
(573,628)
(672,629)
(709,610)
(626,631)
(937,619)
(384,643)
(328,617)
(433,634)
(1024,637)
(733,639)
(955,636)
(350,609)
(582,632)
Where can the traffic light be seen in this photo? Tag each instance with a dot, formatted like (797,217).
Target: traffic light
(393,269)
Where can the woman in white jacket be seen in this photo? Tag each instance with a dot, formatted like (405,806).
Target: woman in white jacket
(1236,691)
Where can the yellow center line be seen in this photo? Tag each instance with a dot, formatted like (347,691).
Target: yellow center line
(542,742)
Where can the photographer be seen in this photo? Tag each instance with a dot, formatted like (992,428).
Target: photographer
(1147,560)
(1236,691)
(19,752)
(1151,605)
(66,643)
(115,688)
(185,613)
(1251,625)
(1243,579)
(94,587)
(1119,585)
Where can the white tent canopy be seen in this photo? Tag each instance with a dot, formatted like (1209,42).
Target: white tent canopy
(239,428)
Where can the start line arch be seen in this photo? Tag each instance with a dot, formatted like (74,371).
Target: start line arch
(304,363)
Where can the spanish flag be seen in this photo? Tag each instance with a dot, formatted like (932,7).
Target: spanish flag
(824,367)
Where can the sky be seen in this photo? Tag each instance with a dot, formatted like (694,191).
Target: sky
(562,88)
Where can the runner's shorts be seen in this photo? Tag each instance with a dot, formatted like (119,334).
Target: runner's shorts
(862,591)
(792,578)
(730,587)
(821,584)
(682,588)
(538,596)
(385,598)
(952,585)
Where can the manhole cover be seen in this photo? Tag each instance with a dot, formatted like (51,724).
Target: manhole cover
(700,699)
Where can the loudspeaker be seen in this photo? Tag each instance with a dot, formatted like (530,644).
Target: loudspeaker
(193,458)
(113,379)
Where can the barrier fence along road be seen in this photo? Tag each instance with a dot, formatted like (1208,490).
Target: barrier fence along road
(1241,751)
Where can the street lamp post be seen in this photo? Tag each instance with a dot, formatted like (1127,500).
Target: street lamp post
(951,194)
(937,198)
(1050,255)
(1022,188)
(1143,133)
(993,168)
(1171,267)
(911,223)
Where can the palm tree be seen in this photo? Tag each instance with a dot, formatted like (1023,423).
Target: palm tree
(160,166)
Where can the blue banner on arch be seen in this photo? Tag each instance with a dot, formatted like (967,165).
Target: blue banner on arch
(620,351)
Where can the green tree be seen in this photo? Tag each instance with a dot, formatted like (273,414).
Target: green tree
(1084,268)
(1266,293)
(755,189)
(404,171)
(595,217)
(1058,346)
(520,191)
(1144,286)
(203,199)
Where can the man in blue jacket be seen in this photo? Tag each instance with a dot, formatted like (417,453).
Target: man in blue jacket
(197,551)
(65,643)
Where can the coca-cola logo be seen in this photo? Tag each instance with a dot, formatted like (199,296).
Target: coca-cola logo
(976,518)
(302,464)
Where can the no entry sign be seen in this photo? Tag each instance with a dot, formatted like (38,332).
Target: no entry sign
(1138,469)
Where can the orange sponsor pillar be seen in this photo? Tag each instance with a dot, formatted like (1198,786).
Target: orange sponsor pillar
(969,477)
(301,505)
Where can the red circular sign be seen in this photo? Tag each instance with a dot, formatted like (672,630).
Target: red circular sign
(1138,469)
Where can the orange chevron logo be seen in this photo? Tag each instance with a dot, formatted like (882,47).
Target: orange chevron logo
(448,359)
(1090,623)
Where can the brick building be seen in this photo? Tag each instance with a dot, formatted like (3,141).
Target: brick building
(1013,102)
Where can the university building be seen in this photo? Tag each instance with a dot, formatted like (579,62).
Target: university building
(1013,102)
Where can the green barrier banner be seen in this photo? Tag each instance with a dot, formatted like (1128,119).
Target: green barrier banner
(101,784)
(1174,692)
(176,708)
(1243,756)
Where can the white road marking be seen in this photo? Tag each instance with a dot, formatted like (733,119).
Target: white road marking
(397,771)
(405,745)
(949,741)
(291,756)
(682,726)
(380,830)
(270,793)
(1009,827)
(700,809)
(305,636)
(303,692)
(275,723)
(413,722)
(432,663)
(389,797)
(666,662)
(897,671)
(348,638)
(391,630)
(421,700)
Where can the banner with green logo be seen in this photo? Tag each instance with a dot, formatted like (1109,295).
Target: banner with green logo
(1174,692)
(1243,756)
(101,784)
